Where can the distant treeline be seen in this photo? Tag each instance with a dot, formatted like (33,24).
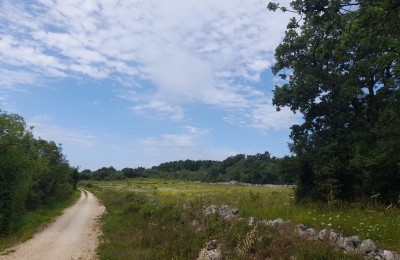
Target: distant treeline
(34,173)
(259,168)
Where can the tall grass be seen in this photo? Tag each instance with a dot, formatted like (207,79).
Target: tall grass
(146,219)
(31,221)
(368,220)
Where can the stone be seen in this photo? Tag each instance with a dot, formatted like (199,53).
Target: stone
(367,246)
(213,244)
(333,236)
(223,209)
(355,240)
(229,217)
(277,222)
(214,209)
(339,241)
(251,221)
(208,213)
(323,234)
(302,227)
(346,244)
(388,255)
(210,254)
(311,232)
(234,211)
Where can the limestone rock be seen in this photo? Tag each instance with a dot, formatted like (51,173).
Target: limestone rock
(323,234)
(213,244)
(210,255)
(333,236)
(346,244)
(229,217)
(251,221)
(234,211)
(388,255)
(367,246)
(302,227)
(311,232)
(277,222)
(211,252)
(355,240)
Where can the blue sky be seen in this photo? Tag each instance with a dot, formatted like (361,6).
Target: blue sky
(137,83)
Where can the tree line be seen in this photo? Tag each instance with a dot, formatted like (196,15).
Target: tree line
(34,173)
(257,169)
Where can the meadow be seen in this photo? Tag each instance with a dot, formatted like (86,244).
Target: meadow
(163,219)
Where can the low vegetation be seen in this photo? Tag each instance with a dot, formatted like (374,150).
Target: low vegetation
(30,222)
(162,219)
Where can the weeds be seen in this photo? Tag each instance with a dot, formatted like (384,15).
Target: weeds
(246,245)
(162,219)
(32,221)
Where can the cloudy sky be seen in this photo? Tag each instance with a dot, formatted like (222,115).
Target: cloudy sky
(140,82)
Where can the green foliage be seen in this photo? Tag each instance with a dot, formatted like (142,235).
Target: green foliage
(342,71)
(28,223)
(33,172)
(258,168)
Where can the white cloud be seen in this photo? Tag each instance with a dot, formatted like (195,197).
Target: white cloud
(190,51)
(190,144)
(265,116)
(162,108)
(44,129)
(11,79)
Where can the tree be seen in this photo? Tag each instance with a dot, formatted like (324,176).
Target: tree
(52,179)
(342,66)
(14,168)
(286,169)
(133,173)
(33,172)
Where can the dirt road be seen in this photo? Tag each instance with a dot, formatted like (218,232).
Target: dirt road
(74,235)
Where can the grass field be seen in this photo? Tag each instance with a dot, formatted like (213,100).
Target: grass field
(146,220)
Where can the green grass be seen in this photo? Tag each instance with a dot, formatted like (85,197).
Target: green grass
(163,230)
(32,221)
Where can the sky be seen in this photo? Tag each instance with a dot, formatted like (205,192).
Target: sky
(141,82)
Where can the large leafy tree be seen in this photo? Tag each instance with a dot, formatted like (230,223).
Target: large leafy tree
(33,172)
(14,168)
(341,63)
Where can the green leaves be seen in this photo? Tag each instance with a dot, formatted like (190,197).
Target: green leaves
(345,62)
(33,172)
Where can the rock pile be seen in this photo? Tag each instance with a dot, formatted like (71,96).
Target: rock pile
(224,211)
(352,244)
(211,251)
(236,183)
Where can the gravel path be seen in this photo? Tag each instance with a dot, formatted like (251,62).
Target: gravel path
(74,235)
